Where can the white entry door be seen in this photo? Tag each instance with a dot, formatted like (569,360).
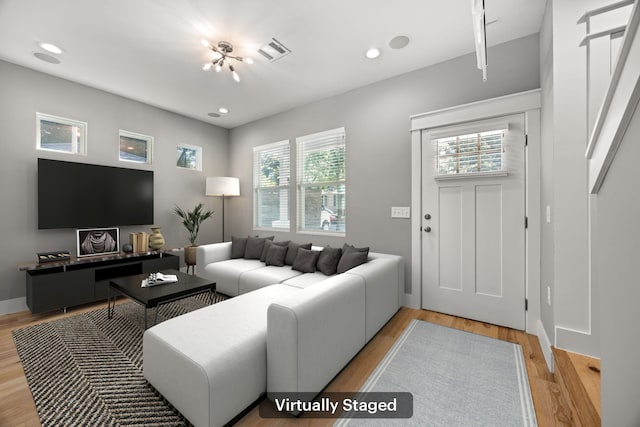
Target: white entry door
(473,219)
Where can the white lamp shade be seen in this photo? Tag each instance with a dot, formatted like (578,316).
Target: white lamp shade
(222,186)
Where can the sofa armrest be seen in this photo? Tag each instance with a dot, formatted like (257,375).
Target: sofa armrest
(214,252)
(384,281)
(313,334)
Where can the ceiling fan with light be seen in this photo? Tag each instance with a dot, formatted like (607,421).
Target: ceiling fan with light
(222,56)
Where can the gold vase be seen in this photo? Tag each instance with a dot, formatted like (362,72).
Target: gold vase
(156,239)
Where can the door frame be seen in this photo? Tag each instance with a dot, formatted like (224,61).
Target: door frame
(527,103)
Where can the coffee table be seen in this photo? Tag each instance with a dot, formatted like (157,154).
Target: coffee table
(154,296)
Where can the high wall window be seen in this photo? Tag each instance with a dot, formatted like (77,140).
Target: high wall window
(473,153)
(60,134)
(321,182)
(271,174)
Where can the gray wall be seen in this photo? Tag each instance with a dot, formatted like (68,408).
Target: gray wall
(618,228)
(376,119)
(25,92)
(568,263)
(546,172)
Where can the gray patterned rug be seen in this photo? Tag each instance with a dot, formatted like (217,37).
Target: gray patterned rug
(87,369)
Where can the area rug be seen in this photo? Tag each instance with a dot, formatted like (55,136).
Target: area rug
(87,369)
(457,379)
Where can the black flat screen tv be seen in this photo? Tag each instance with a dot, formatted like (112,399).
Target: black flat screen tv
(80,195)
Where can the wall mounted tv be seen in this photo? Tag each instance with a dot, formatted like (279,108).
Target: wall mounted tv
(77,195)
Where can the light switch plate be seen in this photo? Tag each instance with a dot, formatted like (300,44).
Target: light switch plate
(548,214)
(401,212)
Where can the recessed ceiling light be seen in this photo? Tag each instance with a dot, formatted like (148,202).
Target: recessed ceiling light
(213,115)
(372,53)
(223,110)
(399,42)
(52,48)
(46,58)
(248,60)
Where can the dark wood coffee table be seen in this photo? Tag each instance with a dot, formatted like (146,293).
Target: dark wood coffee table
(154,296)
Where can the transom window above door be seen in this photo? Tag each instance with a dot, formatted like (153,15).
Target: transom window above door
(470,153)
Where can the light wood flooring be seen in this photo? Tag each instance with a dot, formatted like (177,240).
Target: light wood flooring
(17,407)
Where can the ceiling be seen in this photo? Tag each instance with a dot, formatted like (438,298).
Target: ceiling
(150,51)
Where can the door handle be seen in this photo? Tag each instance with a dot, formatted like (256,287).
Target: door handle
(427,229)
(427,216)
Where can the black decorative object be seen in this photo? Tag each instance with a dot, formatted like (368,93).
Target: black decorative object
(127,248)
(54,256)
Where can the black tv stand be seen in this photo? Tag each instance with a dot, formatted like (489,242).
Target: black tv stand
(58,285)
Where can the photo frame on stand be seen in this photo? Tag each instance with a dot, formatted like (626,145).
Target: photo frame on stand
(98,241)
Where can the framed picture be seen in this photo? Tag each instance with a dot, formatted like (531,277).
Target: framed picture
(189,157)
(60,134)
(135,147)
(98,241)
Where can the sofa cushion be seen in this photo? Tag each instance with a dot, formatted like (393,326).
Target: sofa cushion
(211,363)
(255,245)
(306,260)
(238,247)
(227,273)
(328,260)
(292,252)
(256,279)
(267,245)
(305,280)
(275,255)
(352,257)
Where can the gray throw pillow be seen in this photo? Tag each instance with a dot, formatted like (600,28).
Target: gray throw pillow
(328,260)
(267,245)
(275,255)
(238,247)
(306,261)
(346,247)
(293,251)
(352,257)
(254,248)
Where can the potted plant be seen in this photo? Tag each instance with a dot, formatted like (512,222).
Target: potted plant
(191,221)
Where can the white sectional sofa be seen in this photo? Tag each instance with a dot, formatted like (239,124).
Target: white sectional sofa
(283,332)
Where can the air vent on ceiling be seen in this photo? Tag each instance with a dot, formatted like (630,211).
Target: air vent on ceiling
(274,50)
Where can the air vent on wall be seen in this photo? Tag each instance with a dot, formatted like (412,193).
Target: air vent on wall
(274,50)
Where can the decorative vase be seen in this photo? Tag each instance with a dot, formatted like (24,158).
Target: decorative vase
(190,255)
(156,239)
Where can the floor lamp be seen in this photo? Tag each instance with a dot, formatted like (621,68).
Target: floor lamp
(222,186)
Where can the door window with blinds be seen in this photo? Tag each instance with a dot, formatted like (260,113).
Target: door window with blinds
(321,182)
(271,174)
(465,150)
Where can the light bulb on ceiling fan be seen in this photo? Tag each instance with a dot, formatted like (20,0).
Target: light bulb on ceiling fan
(219,65)
(234,74)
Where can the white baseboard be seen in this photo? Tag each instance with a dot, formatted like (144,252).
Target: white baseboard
(15,305)
(545,344)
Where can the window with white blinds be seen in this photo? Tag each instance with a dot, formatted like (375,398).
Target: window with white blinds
(271,180)
(472,153)
(321,182)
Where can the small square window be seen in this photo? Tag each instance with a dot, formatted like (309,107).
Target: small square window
(135,147)
(189,157)
(60,134)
